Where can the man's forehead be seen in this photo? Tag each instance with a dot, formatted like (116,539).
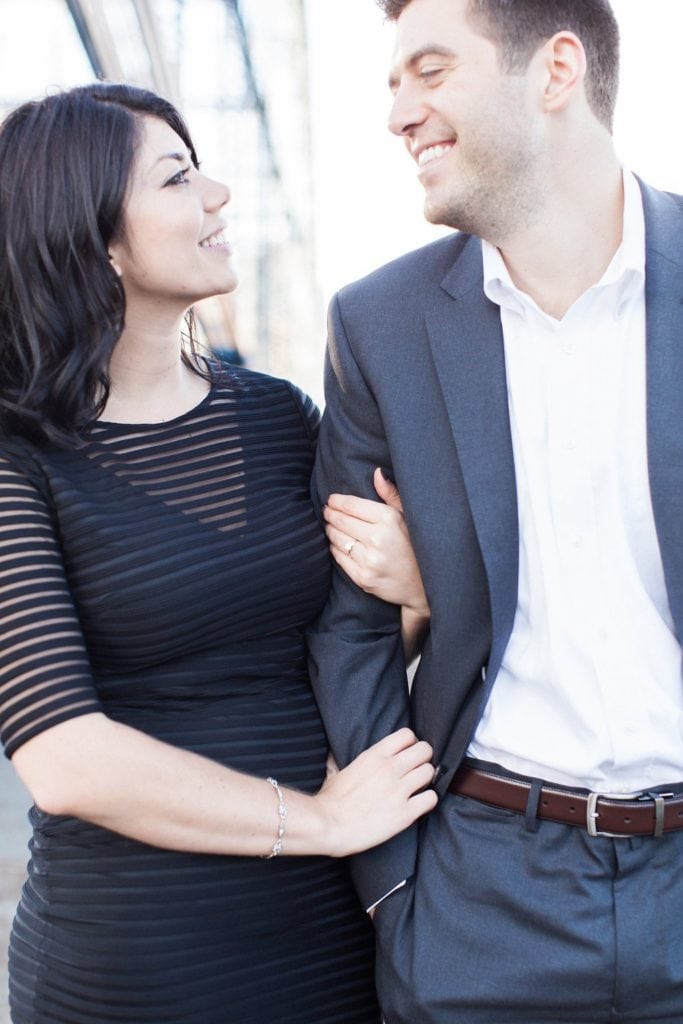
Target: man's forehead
(431,25)
(431,18)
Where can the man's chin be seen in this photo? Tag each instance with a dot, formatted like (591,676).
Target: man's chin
(437,213)
(432,211)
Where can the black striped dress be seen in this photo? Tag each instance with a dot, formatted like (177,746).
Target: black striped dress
(165,574)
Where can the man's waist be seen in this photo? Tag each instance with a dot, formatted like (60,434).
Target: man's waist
(586,767)
(653,811)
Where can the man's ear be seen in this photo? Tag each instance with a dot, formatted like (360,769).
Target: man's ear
(564,63)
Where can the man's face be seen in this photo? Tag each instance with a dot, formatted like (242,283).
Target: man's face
(474,131)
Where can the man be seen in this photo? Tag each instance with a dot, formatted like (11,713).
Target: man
(522,382)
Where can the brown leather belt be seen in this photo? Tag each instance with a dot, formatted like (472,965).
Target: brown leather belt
(636,815)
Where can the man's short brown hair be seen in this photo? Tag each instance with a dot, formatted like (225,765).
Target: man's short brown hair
(519,27)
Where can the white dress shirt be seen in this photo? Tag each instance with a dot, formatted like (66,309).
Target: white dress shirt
(590,689)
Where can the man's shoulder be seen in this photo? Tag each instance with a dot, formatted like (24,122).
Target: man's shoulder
(663,217)
(408,274)
(659,195)
(677,197)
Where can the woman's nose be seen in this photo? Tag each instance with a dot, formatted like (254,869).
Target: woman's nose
(216,194)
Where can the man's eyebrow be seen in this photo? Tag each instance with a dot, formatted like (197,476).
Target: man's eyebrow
(429,50)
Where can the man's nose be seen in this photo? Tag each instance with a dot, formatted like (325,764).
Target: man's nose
(407,111)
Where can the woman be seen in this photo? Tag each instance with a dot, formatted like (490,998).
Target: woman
(160,559)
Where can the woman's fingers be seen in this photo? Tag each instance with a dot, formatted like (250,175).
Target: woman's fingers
(394,742)
(422,803)
(369,541)
(341,540)
(379,540)
(367,509)
(413,757)
(383,791)
(371,532)
(410,758)
(363,509)
(379,558)
(419,777)
(387,490)
(377,525)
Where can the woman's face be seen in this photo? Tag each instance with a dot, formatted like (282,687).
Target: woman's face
(175,251)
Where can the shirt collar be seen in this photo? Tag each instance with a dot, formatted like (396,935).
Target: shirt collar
(626,269)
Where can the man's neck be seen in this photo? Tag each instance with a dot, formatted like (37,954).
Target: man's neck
(568,249)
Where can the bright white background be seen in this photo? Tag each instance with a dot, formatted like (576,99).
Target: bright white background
(368,201)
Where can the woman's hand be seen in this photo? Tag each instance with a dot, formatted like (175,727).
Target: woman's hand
(369,540)
(378,795)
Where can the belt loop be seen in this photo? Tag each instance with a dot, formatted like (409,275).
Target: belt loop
(658,799)
(530,815)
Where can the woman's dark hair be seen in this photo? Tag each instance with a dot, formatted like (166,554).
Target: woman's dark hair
(65,168)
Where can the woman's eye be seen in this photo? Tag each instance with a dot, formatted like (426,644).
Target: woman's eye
(430,72)
(180,178)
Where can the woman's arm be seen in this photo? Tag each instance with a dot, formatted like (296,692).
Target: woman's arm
(369,540)
(121,779)
(76,761)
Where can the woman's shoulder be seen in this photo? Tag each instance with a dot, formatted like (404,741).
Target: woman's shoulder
(22,464)
(18,451)
(239,380)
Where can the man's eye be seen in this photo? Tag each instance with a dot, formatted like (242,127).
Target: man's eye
(430,72)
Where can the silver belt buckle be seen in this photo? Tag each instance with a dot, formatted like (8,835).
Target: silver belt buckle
(592,813)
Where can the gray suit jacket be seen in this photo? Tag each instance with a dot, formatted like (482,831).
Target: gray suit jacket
(415,383)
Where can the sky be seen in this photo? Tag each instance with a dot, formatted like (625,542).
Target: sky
(368,200)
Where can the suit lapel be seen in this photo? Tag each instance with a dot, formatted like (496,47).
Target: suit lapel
(467,345)
(664,304)
(466,340)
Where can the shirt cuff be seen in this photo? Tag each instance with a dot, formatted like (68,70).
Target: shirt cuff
(400,885)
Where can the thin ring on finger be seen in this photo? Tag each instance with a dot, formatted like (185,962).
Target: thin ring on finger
(349,546)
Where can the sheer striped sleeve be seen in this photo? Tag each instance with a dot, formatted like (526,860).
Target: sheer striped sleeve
(45,674)
(308,410)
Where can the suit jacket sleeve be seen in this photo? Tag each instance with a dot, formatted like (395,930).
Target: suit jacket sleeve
(357,665)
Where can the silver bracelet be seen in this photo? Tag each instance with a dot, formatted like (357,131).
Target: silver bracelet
(282,814)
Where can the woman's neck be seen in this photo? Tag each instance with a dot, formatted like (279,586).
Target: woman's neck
(150,382)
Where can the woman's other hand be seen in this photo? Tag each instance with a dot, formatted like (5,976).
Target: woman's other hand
(370,541)
(379,794)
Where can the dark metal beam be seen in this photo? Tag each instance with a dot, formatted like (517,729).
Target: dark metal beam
(89,45)
(255,95)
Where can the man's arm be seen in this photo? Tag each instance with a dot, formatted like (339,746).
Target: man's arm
(357,662)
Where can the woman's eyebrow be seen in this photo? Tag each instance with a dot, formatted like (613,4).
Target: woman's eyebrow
(180,157)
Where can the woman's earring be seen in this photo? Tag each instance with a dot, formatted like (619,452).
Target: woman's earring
(115,266)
